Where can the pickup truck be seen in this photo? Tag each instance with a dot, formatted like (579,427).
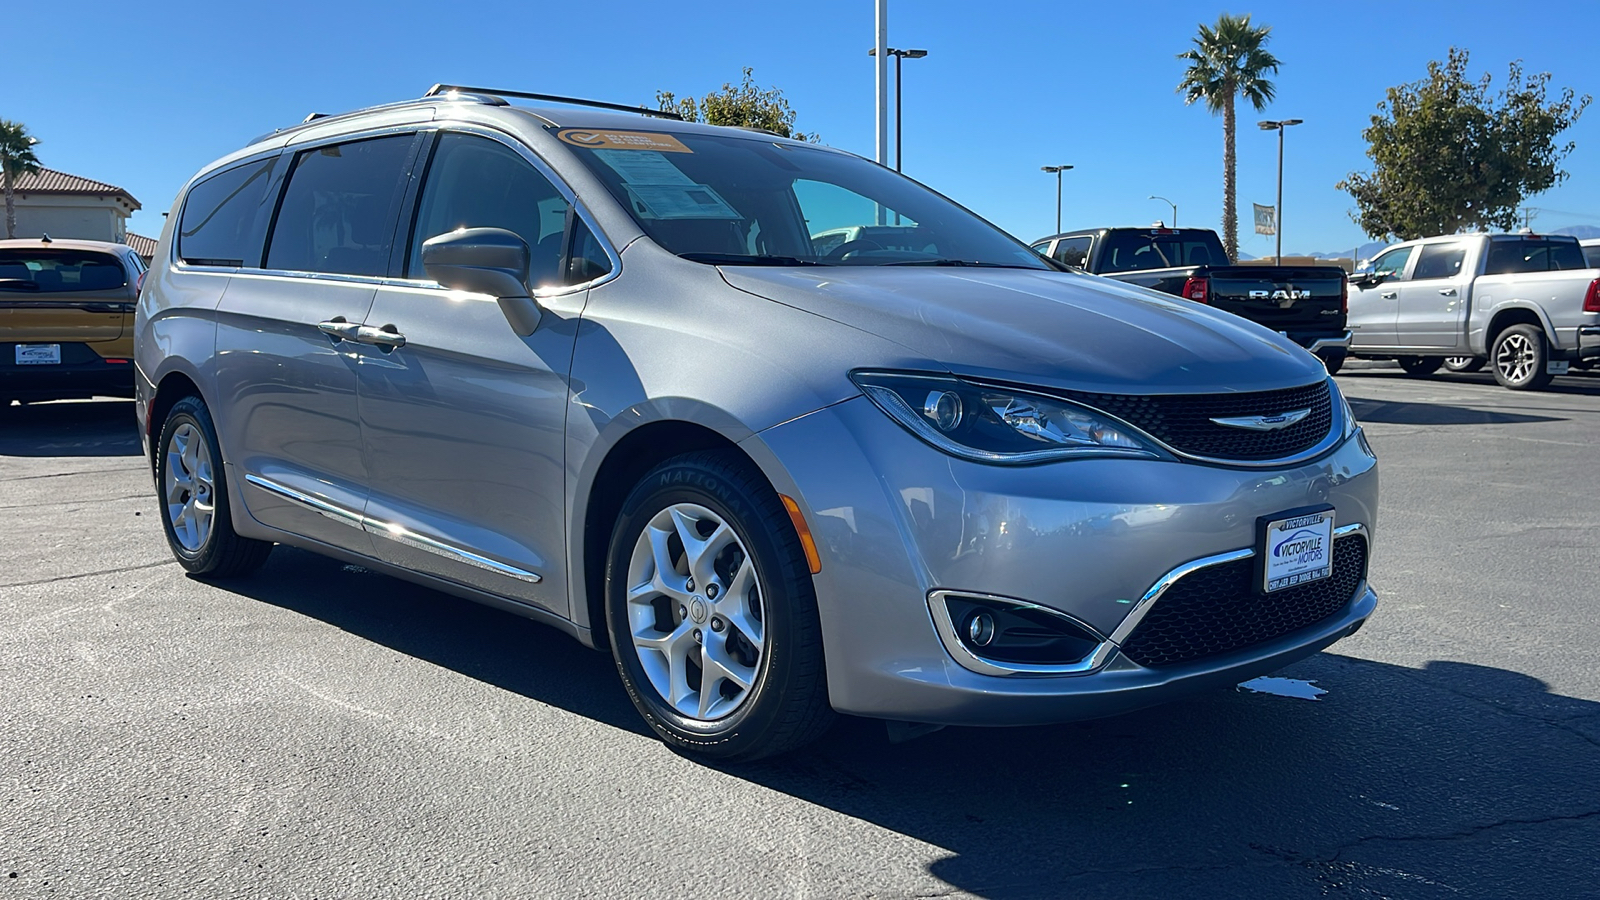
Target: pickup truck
(1526,305)
(1305,303)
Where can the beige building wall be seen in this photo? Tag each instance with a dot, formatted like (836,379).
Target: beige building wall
(86,218)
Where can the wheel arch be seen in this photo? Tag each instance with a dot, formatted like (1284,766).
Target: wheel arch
(1517,314)
(173,386)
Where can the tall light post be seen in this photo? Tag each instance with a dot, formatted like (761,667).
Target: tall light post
(1058,170)
(1279,126)
(1169,203)
(898,56)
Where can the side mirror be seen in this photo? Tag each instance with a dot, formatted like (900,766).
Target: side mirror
(490,261)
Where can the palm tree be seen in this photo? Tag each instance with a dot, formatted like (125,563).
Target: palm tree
(1229,59)
(16,159)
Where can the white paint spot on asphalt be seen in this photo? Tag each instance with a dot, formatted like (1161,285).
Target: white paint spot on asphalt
(1284,687)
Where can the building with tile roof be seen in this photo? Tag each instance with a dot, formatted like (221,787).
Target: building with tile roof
(144,246)
(70,206)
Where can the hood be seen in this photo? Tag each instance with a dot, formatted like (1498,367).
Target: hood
(1054,329)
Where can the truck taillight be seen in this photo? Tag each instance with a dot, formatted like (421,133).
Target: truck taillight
(138,286)
(1591,297)
(1195,289)
(1344,296)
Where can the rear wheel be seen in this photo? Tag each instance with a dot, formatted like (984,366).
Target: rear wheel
(711,612)
(1463,363)
(1519,358)
(1333,359)
(194,497)
(1420,366)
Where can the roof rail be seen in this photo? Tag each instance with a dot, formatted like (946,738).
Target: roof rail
(438,89)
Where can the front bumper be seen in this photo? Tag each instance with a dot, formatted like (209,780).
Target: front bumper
(896,521)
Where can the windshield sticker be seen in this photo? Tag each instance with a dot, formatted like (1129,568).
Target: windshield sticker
(643,167)
(678,201)
(622,140)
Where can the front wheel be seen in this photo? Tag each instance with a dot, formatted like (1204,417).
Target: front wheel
(1463,364)
(194,497)
(1520,356)
(1420,366)
(712,614)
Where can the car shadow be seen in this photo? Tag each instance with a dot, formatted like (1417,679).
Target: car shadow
(70,428)
(1397,413)
(1450,780)
(1579,383)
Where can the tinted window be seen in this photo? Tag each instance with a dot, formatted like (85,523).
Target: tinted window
(1532,254)
(59,271)
(219,217)
(1591,255)
(1439,261)
(589,259)
(1130,250)
(338,213)
(1073,251)
(474,182)
(1393,263)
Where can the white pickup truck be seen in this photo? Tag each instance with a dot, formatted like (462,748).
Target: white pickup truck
(1526,305)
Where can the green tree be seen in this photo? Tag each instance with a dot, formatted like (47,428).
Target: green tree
(742,104)
(16,160)
(1229,60)
(1448,156)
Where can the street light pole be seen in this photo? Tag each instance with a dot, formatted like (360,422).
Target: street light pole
(1169,203)
(899,56)
(1279,126)
(1058,170)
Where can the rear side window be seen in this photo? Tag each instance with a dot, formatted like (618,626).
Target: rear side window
(338,212)
(1073,251)
(217,227)
(1591,255)
(1439,261)
(475,182)
(59,271)
(1508,257)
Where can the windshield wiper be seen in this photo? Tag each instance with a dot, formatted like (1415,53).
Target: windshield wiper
(745,259)
(975,263)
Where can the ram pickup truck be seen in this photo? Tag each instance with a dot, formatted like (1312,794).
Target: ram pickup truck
(1526,305)
(1305,303)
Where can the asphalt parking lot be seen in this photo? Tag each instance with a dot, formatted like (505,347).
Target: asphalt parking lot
(319,730)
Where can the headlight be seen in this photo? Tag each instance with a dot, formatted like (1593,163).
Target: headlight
(997,425)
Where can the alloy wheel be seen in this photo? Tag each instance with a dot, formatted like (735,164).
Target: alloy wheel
(1515,357)
(695,612)
(189,487)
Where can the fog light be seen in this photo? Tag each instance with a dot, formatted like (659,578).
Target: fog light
(980,629)
(943,409)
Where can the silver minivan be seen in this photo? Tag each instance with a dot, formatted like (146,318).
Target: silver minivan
(591,366)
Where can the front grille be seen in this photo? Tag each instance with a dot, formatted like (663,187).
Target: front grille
(1183,421)
(1216,609)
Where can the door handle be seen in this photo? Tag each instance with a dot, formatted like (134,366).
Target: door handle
(339,329)
(1448,292)
(386,338)
(1388,295)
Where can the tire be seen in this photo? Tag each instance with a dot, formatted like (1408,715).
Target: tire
(759,628)
(1420,366)
(1463,364)
(1333,359)
(1519,357)
(204,542)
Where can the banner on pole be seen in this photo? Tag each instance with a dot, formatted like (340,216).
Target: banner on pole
(1266,219)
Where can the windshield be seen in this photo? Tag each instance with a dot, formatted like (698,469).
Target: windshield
(738,200)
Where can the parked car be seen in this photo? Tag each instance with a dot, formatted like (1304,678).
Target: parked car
(66,319)
(1527,304)
(1306,303)
(592,368)
(1591,252)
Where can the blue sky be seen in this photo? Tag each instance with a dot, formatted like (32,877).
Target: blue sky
(142,96)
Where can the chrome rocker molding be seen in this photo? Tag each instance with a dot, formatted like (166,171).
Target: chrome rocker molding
(1108,646)
(1341,342)
(397,533)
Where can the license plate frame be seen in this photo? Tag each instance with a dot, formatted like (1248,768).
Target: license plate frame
(38,355)
(1294,547)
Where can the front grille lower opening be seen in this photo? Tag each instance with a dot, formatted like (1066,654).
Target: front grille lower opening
(1009,633)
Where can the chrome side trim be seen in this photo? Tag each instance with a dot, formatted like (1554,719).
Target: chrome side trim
(397,533)
(331,510)
(970,660)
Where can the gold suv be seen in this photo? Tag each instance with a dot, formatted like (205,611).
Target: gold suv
(66,319)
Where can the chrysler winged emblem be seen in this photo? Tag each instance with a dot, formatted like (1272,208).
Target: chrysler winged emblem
(1265,423)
